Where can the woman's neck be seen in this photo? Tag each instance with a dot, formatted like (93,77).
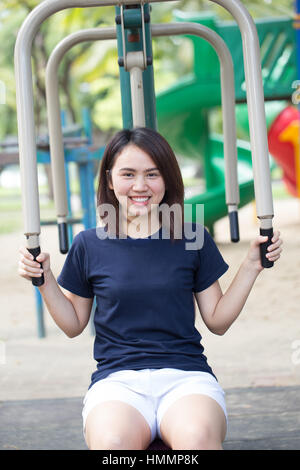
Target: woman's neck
(141,227)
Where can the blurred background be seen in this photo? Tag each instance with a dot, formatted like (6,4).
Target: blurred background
(89,78)
(263,346)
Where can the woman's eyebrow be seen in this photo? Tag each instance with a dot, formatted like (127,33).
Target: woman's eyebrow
(132,169)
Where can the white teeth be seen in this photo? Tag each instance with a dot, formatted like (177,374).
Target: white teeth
(140,199)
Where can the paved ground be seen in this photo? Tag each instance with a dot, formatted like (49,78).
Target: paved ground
(263,418)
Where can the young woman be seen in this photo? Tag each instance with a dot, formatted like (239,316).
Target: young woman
(145,266)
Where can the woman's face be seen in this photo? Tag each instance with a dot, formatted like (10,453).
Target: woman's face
(136,181)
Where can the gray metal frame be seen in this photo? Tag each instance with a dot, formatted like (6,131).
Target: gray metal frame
(256,110)
(25,105)
(25,114)
(228,99)
(54,116)
(228,105)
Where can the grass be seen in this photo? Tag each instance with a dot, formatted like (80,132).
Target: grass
(12,216)
(11,209)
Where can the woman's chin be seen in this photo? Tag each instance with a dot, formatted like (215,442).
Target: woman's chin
(137,211)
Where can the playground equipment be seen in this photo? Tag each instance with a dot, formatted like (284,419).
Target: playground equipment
(136,76)
(134,33)
(78,149)
(227,80)
(284,145)
(183,109)
(283,124)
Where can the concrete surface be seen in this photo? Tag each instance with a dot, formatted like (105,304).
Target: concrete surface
(263,418)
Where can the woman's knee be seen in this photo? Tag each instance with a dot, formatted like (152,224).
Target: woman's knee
(116,426)
(196,437)
(114,440)
(194,422)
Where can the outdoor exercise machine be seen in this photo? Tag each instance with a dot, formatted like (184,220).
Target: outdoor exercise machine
(227,80)
(79,150)
(134,33)
(188,106)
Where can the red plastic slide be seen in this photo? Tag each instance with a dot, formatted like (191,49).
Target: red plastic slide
(284,146)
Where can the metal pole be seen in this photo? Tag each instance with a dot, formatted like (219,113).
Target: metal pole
(25,111)
(257,120)
(228,101)
(54,117)
(134,35)
(27,139)
(228,110)
(135,61)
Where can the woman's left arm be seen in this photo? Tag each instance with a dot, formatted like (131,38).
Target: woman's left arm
(220,310)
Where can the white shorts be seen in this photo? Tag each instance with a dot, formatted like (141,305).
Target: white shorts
(152,391)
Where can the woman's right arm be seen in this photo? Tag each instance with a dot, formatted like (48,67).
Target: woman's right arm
(69,311)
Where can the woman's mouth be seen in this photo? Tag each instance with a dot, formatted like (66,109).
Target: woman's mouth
(140,201)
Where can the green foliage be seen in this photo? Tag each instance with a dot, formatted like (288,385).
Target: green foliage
(89,74)
(257,8)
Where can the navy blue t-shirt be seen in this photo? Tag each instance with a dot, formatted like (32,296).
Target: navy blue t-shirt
(144,288)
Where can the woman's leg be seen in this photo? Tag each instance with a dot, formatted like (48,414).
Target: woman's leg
(116,425)
(194,422)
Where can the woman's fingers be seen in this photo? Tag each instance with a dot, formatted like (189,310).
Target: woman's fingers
(28,267)
(276,236)
(25,252)
(258,240)
(28,270)
(274,254)
(275,248)
(42,257)
(28,260)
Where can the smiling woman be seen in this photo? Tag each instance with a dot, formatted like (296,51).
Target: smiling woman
(152,377)
(139,191)
(139,172)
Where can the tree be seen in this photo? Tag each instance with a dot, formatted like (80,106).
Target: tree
(60,25)
(89,73)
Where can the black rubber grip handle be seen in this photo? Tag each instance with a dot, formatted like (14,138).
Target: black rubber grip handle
(63,238)
(264,247)
(36,281)
(234,226)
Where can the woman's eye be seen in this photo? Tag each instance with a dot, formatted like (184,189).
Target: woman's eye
(152,175)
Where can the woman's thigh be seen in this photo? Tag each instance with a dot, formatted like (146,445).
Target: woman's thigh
(194,421)
(116,425)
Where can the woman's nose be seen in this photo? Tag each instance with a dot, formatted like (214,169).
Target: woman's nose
(139,183)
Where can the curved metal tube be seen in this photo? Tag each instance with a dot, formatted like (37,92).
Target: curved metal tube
(55,126)
(256,108)
(25,108)
(25,114)
(228,97)
(228,108)
(53,110)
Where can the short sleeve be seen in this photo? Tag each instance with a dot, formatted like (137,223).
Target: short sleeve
(73,276)
(211,265)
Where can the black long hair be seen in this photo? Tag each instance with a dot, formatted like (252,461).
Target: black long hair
(156,146)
